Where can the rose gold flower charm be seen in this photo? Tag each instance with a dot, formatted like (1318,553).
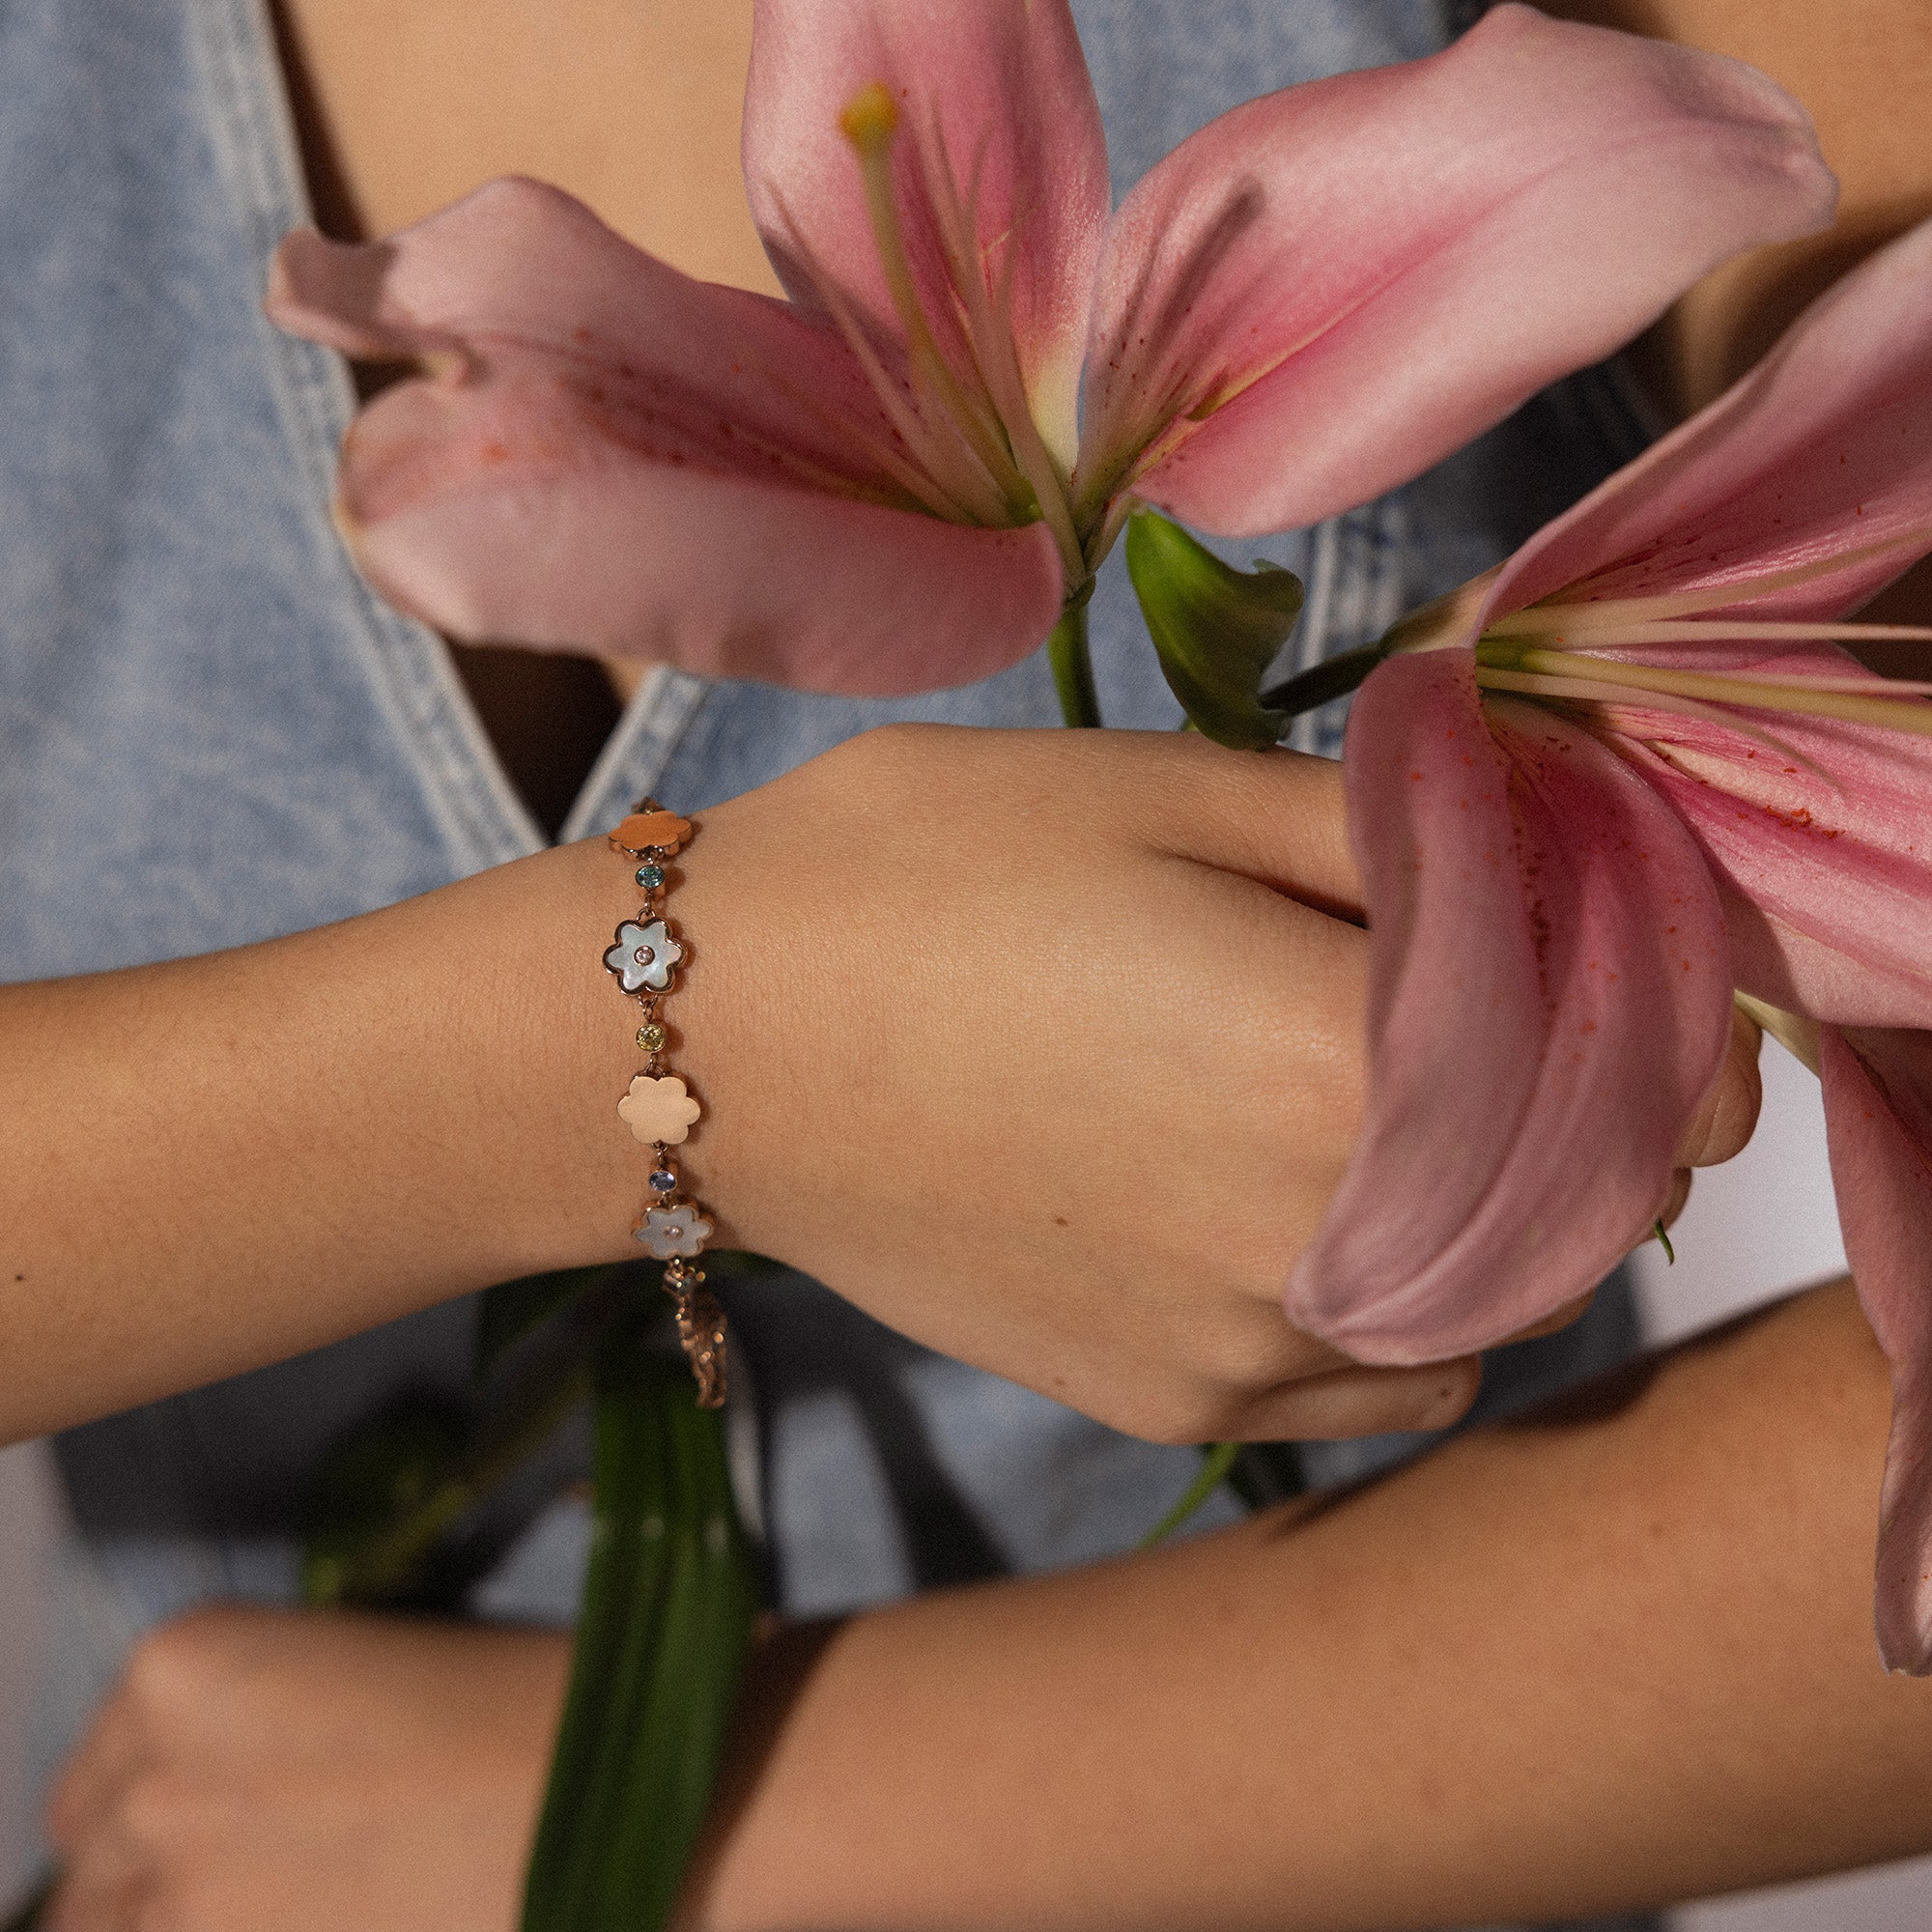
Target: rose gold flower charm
(650,831)
(659,1111)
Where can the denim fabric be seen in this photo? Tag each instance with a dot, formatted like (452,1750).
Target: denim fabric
(211,732)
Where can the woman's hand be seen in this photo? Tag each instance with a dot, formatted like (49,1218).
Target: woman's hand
(260,1769)
(1047,1047)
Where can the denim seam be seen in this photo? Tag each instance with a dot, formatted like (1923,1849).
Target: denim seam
(639,752)
(1317,621)
(478,809)
(477,814)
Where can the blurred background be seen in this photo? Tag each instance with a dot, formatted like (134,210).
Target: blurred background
(1733,1252)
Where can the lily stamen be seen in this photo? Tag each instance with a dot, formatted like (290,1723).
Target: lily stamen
(1743,630)
(985,320)
(1538,619)
(957,474)
(870,122)
(1755,691)
(1578,691)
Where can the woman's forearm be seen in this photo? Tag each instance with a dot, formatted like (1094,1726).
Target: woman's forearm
(1567,1666)
(210,1163)
(933,1072)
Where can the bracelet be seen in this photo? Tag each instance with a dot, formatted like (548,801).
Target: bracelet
(658,1107)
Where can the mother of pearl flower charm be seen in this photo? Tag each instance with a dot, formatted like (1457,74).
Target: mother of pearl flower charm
(659,1110)
(643,957)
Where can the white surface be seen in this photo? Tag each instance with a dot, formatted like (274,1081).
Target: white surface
(1895,1899)
(1756,1228)
(27,1523)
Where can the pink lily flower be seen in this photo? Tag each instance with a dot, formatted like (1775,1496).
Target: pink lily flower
(1599,789)
(902,479)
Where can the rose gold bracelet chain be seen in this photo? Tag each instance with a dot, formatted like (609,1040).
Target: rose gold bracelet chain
(658,1107)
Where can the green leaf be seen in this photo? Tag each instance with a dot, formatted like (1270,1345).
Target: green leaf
(396,1469)
(668,1607)
(393,1499)
(1216,629)
(511,1310)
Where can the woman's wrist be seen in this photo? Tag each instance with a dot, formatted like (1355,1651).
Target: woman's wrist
(212,1163)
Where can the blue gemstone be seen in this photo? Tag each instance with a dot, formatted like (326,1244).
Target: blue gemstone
(650,878)
(663,1180)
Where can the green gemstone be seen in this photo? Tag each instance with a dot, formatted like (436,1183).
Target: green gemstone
(650,878)
(651,1038)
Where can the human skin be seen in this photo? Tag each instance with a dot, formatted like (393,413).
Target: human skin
(1034,966)
(1593,1661)
(411,1131)
(1785,1747)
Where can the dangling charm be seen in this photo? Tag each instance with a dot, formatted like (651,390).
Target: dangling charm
(701,1330)
(673,1233)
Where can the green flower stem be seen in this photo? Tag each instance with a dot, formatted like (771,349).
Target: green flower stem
(1260,1473)
(1216,1459)
(1324,682)
(1072,664)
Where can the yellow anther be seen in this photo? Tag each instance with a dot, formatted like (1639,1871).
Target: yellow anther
(872,118)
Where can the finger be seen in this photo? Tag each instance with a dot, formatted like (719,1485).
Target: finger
(1278,818)
(1362,1402)
(1727,1115)
(114,1751)
(1557,1318)
(1680,1193)
(105,1889)
(1250,1349)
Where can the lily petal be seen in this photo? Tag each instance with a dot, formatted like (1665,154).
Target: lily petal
(1789,967)
(1549,996)
(614,457)
(995,92)
(1821,456)
(1337,285)
(1827,863)
(1878,1121)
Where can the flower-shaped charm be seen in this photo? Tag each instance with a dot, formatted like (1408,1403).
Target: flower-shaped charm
(673,1234)
(650,831)
(658,1110)
(644,955)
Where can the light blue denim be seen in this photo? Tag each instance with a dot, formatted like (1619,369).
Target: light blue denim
(211,732)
